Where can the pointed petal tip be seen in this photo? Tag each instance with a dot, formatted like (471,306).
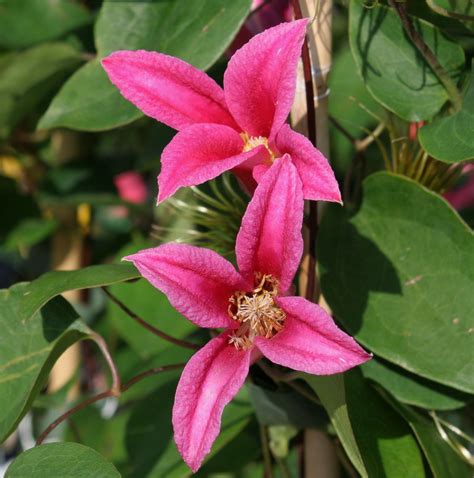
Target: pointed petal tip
(111,60)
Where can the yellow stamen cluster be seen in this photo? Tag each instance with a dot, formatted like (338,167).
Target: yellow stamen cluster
(251,142)
(256,311)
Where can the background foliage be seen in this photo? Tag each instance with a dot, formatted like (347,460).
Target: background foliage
(396,263)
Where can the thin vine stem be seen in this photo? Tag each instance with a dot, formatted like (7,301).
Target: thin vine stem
(149,327)
(267,458)
(311,292)
(428,55)
(101,343)
(107,394)
(72,411)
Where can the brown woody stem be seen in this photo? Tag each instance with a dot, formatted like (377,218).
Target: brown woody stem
(428,55)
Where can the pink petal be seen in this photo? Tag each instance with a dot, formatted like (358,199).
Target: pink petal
(269,239)
(198,282)
(260,80)
(319,182)
(311,341)
(167,89)
(198,153)
(209,381)
(259,171)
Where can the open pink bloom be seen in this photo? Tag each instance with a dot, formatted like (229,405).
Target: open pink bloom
(250,304)
(241,128)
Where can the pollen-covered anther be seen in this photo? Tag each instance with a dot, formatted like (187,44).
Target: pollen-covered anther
(256,311)
(251,142)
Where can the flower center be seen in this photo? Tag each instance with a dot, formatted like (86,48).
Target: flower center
(251,142)
(256,311)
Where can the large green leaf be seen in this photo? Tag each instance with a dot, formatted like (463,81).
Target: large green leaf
(451,139)
(197,32)
(413,389)
(151,305)
(30,76)
(331,391)
(38,292)
(400,275)
(66,460)
(26,22)
(357,413)
(149,441)
(88,101)
(391,66)
(386,444)
(29,348)
(442,459)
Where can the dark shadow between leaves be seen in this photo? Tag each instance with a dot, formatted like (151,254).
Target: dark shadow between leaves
(57,315)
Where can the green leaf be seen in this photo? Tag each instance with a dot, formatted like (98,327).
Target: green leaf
(346,87)
(331,391)
(30,76)
(347,92)
(89,102)
(38,292)
(451,139)
(29,348)
(13,217)
(30,231)
(149,440)
(151,305)
(386,444)
(392,68)
(400,275)
(413,389)
(61,459)
(26,22)
(443,460)
(198,32)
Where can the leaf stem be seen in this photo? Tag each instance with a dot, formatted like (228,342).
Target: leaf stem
(428,55)
(116,384)
(77,408)
(102,395)
(148,373)
(149,327)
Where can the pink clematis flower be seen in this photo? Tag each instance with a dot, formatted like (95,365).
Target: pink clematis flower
(250,304)
(241,128)
(131,187)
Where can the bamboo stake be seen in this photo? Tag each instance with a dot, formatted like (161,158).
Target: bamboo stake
(66,254)
(319,452)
